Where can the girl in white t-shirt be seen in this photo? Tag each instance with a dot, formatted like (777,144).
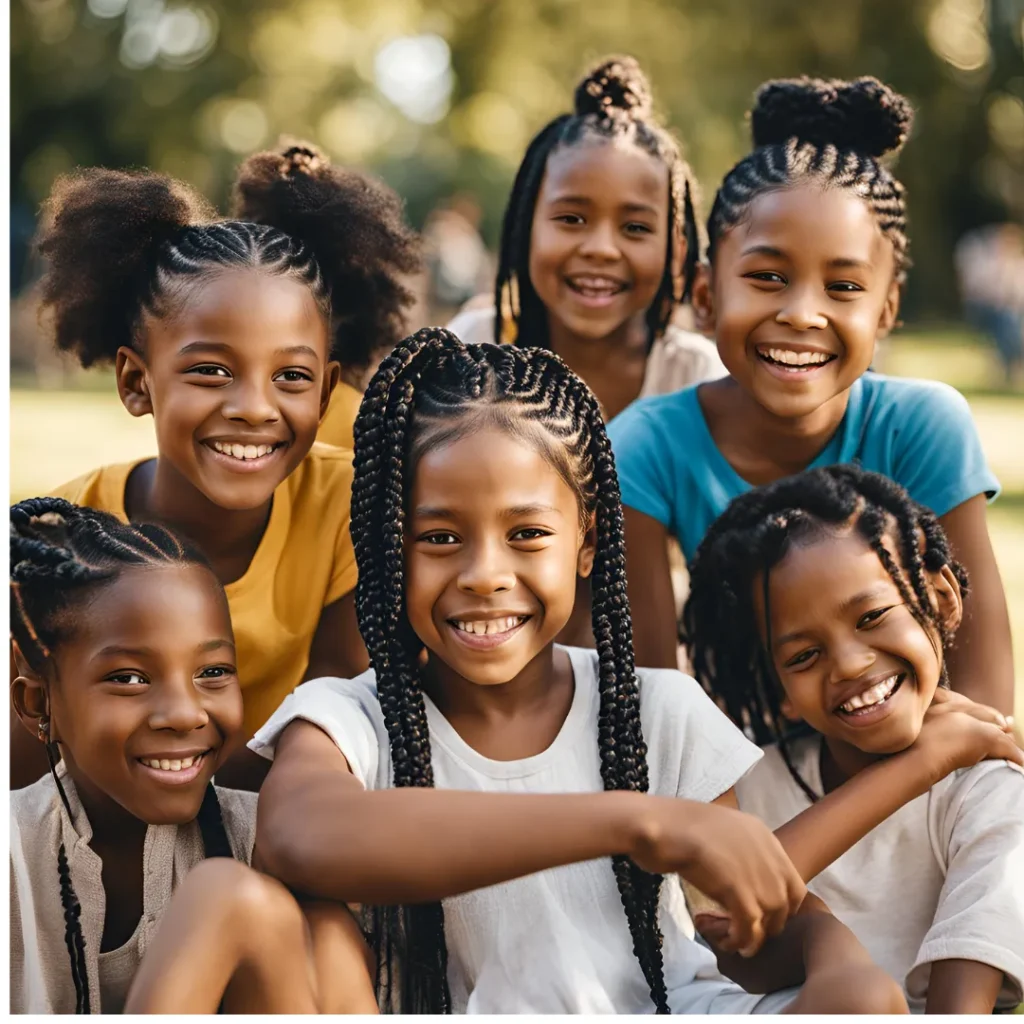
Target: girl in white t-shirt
(828,598)
(130,884)
(516,815)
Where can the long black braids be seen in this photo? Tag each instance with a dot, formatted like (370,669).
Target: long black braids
(60,553)
(829,132)
(612,102)
(431,390)
(720,621)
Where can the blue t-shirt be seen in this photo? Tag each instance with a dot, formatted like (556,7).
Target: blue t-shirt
(919,433)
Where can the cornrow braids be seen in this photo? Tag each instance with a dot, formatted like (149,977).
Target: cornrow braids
(612,103)
(60,553)
(720,623)
(431,390)
(122,244)
(831,133)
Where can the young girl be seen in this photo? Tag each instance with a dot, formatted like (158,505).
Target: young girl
(599,245)
(228,333)
(127,677)
(565,786)
(807,254)
(828,598)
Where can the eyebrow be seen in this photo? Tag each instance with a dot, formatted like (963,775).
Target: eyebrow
(839,262)
(627,207)
(220,346)
(871,594)
(513,512)
(214,645)
(118,649)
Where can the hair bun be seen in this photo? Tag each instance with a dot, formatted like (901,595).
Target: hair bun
(616,84)
(864,115)
(302,158)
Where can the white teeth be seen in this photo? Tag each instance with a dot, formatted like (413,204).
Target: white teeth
(489,626)
(875,695)
(175,765)
(243,452)
(789,358)
(596,286)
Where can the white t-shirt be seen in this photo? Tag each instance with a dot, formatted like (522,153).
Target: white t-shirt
(677,359)
(942,879)
(556,941)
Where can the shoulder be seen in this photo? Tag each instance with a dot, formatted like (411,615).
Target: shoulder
(910,399)
(770,792)
(990,781)
(666,411)
(325,473)
(474,326)
(238,812)
(682,358)
(34,804)
(101,488)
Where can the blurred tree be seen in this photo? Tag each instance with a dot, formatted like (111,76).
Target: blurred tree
(442,95)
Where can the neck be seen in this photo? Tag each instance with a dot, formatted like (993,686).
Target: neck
(628,341)
(840,761)
(738,422)
(163,494)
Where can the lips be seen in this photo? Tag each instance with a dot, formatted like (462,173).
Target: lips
(485,633)
(245,456)
(595,290)
(869,695)
(174,770)
(793,361)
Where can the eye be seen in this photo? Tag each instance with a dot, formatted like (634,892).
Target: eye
(767,276)
(439,538)
(873,617)
(294,376)
(845,287)
(636,228)
(127,679)
(803,658)
(214,674)
(210,370)
(573,219)
(530,533)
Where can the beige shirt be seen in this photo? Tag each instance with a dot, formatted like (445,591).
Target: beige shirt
(678,358)
(41,980)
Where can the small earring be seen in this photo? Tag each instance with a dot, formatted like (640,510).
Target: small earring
(44,730)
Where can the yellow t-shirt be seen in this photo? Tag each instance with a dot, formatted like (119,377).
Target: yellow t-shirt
(304,562)
(336,426)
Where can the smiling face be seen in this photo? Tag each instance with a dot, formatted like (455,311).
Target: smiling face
(237,382)
(599,239)
(146,704)
(853,661)
(492,552)
(800,292)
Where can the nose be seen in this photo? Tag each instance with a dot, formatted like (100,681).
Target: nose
(486,571)
(850,660)
(801,310)
(599,242)
(249,402)
(175,706)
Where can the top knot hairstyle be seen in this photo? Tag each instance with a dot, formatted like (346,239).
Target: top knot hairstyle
(832,132)
(433,390)
(60,553)
(120,244)
(751,537)
(612,102)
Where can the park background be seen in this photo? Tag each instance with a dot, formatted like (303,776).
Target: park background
(440,98)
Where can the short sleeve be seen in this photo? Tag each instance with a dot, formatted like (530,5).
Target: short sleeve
(694,750)
(940,460)
(980,913)
(642,462)
(345,709)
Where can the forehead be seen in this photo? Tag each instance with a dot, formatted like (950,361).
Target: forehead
(606,171)
(488,472)
(169,609)
(815,222)
(245,306)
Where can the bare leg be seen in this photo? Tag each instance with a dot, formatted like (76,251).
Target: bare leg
(344,965)
(860,989)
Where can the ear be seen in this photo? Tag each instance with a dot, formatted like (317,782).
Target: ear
(332,374)
(947,598)
(588,549)
(890,312)
(133,382)
(30,700)
(703,302)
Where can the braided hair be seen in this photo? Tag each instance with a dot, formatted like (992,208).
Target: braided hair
(612,103)
(431,390)
(121,244)
(828,132)
(60,554)
(720,623)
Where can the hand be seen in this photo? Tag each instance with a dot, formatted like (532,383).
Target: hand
(959,733)
(731,857)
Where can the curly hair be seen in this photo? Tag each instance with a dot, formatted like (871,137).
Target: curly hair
(429,391)
(828,132)
(60,554)
(720,623)
(612,102)
(121,244)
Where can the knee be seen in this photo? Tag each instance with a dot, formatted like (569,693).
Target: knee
(872,990)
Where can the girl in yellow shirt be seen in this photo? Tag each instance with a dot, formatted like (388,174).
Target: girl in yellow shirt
(229,333)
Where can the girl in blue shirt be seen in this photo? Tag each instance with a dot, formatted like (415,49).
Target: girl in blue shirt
(807,253)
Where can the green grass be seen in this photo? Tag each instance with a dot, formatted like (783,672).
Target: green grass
(58,435)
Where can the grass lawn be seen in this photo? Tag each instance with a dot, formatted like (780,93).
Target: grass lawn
(57,435)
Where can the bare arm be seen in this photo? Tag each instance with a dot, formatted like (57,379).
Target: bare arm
(337,648)
(963,986)
(323,834)
(649,583)
(981,661)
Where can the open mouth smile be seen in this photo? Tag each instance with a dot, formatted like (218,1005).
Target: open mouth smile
(245,457)
(174,771)
(872,701)
(791,361)
(486,634)
(594,289)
